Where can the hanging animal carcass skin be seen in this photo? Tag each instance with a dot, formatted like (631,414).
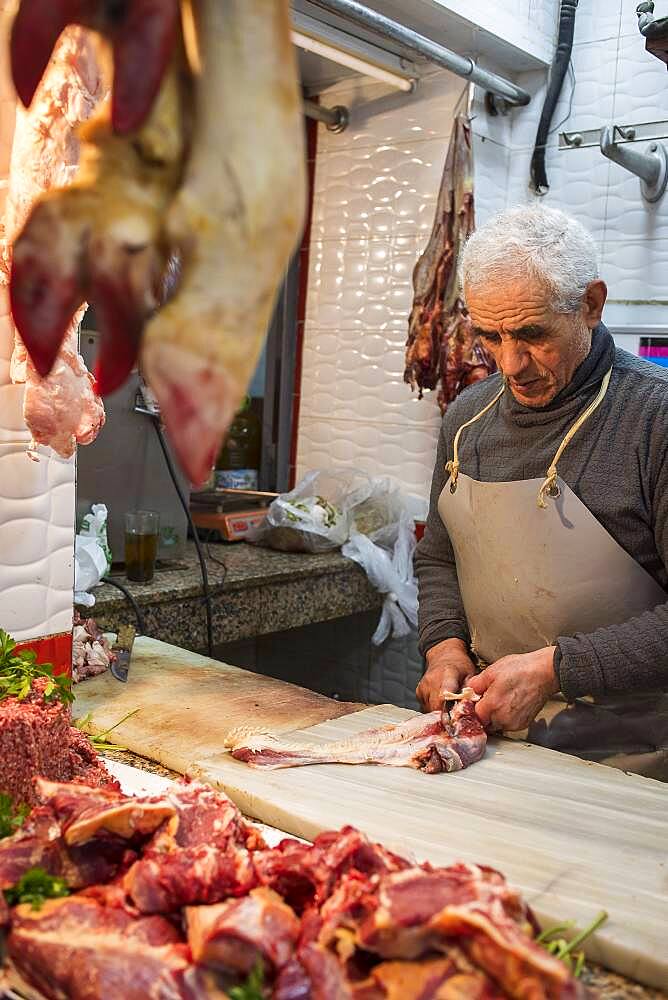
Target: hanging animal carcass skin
(226,198)
(234,222)
(442,349)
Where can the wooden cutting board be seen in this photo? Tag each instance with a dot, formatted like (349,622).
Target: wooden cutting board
(188,705)
(575,837)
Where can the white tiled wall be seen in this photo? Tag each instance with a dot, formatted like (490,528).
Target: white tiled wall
(37,498)
(374,199)
(375,192)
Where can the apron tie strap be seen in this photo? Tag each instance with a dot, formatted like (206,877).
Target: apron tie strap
(550,486)
(452,467)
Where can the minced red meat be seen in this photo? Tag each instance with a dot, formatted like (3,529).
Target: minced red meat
(38,739)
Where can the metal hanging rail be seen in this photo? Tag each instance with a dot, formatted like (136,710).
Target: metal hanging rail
(336,118)
(463,66)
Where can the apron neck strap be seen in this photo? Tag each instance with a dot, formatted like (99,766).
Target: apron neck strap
(453,466)
(549,486)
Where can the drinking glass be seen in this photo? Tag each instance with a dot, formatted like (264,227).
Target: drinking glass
(142,528)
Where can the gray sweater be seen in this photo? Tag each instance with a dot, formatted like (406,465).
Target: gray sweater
(616,464)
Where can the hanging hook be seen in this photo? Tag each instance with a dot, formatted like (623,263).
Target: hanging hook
(651,165)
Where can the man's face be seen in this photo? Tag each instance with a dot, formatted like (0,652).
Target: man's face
(536,348)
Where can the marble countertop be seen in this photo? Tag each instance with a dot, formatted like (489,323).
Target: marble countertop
(254,591)
(604,985)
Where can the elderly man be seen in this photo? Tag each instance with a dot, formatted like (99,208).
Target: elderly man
(545,556)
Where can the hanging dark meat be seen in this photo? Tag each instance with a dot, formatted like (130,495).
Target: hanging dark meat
(441,346)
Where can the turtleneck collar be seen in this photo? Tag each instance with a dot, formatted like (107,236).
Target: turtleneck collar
(586,380)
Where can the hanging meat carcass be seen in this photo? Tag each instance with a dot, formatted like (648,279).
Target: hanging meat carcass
(64,409)
(233,223)
(442,349)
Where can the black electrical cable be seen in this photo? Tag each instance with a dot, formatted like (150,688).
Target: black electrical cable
(141,624)
(560,64)
(198,545)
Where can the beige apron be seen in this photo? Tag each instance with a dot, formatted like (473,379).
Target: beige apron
(565,574)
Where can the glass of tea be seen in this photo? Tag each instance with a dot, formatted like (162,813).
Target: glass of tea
(142,528)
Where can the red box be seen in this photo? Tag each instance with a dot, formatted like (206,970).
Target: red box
(54,649)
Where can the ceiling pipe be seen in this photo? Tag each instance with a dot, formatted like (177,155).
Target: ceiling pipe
(462,66)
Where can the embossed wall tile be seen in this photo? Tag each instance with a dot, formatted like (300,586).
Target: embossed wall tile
(641,86)
(362,283)
(629,215)
(636,269)
(378,449)
(597,19)
(587,97)
(578,181)
(385,192)
(382,115)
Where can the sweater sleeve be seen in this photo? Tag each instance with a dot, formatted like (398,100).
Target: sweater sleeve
(440,609)
(631,656)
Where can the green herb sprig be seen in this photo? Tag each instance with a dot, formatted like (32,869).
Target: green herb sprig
(35,887)
(18,670)
(100,741)
(252,989)
(11,817)
(552,940)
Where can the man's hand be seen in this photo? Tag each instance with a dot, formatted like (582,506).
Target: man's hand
(515,688)
(448,667)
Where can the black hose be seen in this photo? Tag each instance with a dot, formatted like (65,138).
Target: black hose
(141,624)
(198,545)
(560,63)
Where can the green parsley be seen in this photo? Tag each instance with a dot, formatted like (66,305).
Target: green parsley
(100,741)
(552,940)
(35,887)
(11,817)
(19,669)
(252,989)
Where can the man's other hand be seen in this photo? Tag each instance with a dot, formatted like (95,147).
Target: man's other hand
(514,689)
(448,668)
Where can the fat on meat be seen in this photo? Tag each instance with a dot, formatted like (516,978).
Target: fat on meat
(439,741)
(235,221)
(64,409)
(81,949)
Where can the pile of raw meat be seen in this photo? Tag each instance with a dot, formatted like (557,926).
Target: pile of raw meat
(91,652)
(178,897)
(37,738)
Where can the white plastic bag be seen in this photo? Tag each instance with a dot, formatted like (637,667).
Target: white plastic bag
(389,567)
(316,515)
(92,556)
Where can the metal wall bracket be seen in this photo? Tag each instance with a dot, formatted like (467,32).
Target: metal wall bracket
(651,165)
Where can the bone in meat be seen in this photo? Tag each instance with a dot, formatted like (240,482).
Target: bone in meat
(63,410)
(235,222)
(431,743)
(239,933)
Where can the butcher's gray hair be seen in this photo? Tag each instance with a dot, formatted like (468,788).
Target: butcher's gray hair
(537,241)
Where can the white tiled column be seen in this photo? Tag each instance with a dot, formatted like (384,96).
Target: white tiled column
(37,498)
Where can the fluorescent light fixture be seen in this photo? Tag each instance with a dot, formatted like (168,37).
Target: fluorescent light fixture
(354,53)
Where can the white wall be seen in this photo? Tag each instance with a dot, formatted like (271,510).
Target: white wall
(37,499)
(374,199)
(616,81)
(375,192)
